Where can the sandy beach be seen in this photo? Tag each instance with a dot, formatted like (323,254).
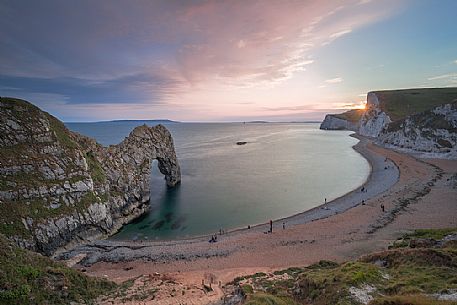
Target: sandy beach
(416,193)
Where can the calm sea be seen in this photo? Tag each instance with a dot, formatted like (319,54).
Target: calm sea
(284,169)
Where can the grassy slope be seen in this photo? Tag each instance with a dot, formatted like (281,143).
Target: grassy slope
(401,276)
(353,115)
(29,278)
(399,104)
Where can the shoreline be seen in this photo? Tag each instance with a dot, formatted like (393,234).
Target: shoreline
(422,197)
(378,181)
(359,148)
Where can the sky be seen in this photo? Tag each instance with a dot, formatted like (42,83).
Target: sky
(208,61)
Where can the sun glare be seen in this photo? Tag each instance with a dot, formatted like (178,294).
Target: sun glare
(362,105)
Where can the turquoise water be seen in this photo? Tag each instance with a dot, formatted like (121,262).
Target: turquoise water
(284,169)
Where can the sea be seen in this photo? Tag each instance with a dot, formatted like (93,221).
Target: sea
(282,170)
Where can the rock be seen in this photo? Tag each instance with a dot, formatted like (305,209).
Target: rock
(374,120)
(432,133)
(348,120)
(425,121)
(331,122)
(91,190)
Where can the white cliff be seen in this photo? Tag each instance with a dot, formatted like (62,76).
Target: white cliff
(58,187)
(425,121)
(374,120)
(332,122)
(431,133)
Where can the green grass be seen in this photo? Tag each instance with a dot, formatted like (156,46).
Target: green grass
(399,104)
(96,170)
(268,299)
(436,234)
(24,111)
(399,276)
(353,115)
(409,300)
(29,278)
(247,289)
(62,133)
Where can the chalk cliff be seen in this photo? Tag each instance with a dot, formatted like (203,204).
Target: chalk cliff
(432,133)
(374,119)
(349,120)
(413,120)
(58,187)
(331,122)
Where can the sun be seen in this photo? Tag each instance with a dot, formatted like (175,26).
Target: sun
(362,105)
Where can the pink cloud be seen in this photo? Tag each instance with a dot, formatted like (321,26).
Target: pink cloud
(258,42)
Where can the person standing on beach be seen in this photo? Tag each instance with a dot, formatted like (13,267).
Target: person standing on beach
(271,226)
(382,207)
(283,225)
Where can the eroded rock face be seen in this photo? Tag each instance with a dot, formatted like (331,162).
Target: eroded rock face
(374,120)
(58,187)
(331,122)
(433,133)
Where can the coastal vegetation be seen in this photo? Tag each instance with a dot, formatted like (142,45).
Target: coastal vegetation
(29,278)
(399,104)
(352,115)
(55,183)
(420,269)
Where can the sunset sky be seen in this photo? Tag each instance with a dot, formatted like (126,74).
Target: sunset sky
(220,60)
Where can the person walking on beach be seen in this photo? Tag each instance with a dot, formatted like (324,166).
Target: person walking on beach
(271,226)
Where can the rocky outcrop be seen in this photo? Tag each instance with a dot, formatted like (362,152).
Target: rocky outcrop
(58,187)
(433,132)
(332,122)
(374,120)
(412,120)
(348,120)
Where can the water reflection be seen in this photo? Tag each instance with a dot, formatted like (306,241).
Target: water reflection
(225,185)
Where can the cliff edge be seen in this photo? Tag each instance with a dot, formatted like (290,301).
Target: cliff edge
(348,120)
(412,120)
(59,188)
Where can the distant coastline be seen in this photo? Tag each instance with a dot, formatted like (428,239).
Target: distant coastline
(158,121)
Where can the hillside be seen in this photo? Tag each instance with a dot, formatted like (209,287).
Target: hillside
(58,187)
(30,278)
(399,104)
(348,120)
(352,115)
(418,269)
(422,121)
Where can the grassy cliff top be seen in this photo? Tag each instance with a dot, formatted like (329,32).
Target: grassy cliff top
(399,104)
(353,115)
